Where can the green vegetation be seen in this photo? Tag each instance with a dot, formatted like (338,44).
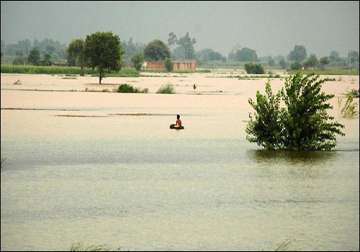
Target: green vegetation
(349,109)
(184,46)
(303,124)
(298,54)
(168,65)
(166,89)
(156,50)
(34,57)
(329,71)
(252,68)
(295,66)
(76,54)
(244,54)
(126,88)
(137,61)
(104,52)
(29,69)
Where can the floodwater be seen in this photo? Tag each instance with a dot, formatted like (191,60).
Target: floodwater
(104,168)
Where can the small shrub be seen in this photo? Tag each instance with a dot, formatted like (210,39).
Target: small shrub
(166,89)
(252,68)
(81,247)
(126,88)
(350,107)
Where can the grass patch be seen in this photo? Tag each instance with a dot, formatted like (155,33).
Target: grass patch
(166,89)
(331,71)
(81,247)
(203,71)
(66,70)
(127,88)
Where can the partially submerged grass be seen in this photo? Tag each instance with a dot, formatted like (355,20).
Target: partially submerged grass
(81,247)
(283,245)
(331,71)
(166,89)
(349,109)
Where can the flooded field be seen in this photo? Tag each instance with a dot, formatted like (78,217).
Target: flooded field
(104,168)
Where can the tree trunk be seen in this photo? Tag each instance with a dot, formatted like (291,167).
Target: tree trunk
(100,77)
(82,70)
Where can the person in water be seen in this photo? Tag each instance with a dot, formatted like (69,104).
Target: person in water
(178,122)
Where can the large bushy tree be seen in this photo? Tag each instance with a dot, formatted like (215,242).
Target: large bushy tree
(137,61)
(209,55)
(302,124)
(156,50)
(103,51)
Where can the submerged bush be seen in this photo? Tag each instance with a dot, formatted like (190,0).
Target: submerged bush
(126,88)
(302,124)
(166,89)
(252,68)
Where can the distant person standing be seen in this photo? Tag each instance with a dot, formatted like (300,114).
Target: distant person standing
(178,122)
(194,87)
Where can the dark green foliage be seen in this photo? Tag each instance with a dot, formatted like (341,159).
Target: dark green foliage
(46,60)
(34,57)
(265,128)
(353,58)
(103,51)
(295,66)
(137,61)
(126,88)
(302,124)
(168,65)
(252,68)
(298,54)
(156,50)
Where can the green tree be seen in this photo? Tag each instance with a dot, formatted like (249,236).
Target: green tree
(34,57)
(76,54)
(298,54)
(137,61)
(103,50)
(312,61)
(295,66)
(168,65)
(302,124)
(156,50)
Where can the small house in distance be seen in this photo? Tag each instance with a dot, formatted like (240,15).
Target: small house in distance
(178,66)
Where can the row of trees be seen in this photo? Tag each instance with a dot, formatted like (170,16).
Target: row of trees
(179,47)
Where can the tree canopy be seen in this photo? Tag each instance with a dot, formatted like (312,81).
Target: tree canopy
(103,51)
(244,54)
(156,50)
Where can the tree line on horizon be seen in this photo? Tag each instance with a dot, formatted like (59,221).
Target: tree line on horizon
(48,52)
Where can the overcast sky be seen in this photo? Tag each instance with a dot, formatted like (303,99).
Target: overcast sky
(271,28)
